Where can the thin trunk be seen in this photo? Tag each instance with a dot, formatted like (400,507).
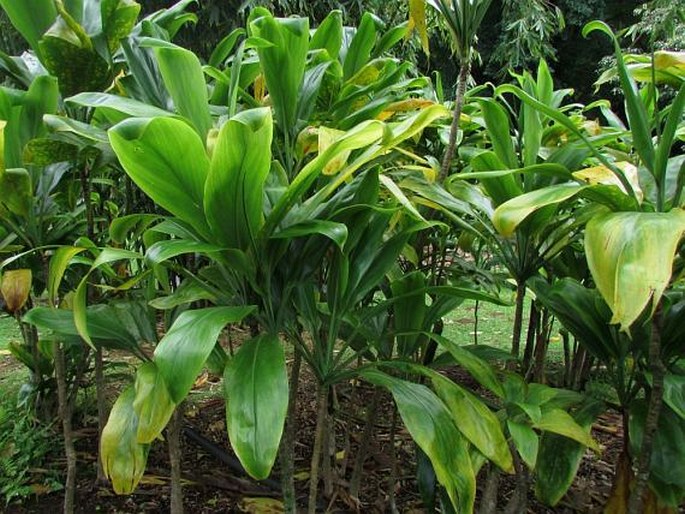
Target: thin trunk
(653,411)
(533,321)
(488,504)
(287,455)
(328,464)
(475,323)
(65,414)
(321,412)
(175,459)
(518,322)
(544,329)
(358,470)
(392,479)
(519,499)
(464,72)
(102,410)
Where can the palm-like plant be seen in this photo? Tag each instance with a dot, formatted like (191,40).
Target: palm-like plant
(463,19)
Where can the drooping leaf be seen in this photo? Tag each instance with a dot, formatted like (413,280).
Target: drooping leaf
(152,404)
(15,287)
(123,458)
(431,426)
(630,256)
(181,353)
(58,265)
(256,387)
(510,214)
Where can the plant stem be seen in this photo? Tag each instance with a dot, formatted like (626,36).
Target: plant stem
(658,370)
(65,415)
(175,458)
(475,323)
(518,321)
(286,455)
(488,504)
(464,71)
(357,471)
(321,412)
(392,479)
(100,399)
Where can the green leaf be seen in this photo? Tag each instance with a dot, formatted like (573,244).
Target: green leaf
(630,255)
(239,168)
(499,131)
(162,251)
(167,160)
(478,423)
(559,459)
(430,425)
(123,458)
(526,442)
(560,422)
(118,19)
(153,404)
(58,265)
(674,393)
(184,349)
(283,63)
(77,67)
(120,104)
(635,108)
(477,367)
(329,34)
(256,388)
(511,213)
(409,310)
(185,81)
(16,194)
(336,232)
(31,18)
(360,48)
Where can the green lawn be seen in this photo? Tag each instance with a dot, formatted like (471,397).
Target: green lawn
(495,324)
(9,331)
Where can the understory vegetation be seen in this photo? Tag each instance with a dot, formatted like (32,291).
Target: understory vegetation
(293,213)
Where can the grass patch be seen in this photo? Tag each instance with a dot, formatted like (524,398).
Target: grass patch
(9,331)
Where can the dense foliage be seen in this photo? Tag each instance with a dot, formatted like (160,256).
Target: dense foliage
(302,177)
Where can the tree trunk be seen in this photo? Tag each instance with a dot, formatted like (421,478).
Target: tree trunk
(488,504)
(65,415)
(319,440)
(287,455)
(518,322)
(102,410)
(358,470)
(533,321)
(175,459)
(464,71)
(392,479)
(658,370)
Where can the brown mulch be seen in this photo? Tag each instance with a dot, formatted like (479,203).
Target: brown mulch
(210,487)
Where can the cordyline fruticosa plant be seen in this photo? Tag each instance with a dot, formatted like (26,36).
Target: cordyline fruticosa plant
(631,245)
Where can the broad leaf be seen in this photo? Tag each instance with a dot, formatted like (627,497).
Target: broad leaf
(153,404)
(15,287)
(123,458)
(184,349)
(510,214)
(430,425)
(185,81)
(58,265)
(256,387)
(167,160)
(239,168)
(630,255)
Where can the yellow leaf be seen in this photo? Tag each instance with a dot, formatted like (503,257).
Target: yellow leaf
(603,175)
(261,506)
(15,289)
(417,21)
(328,136)
(259,88)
